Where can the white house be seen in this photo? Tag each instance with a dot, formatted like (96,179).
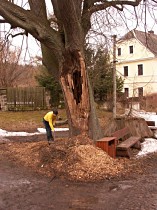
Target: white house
(136,56)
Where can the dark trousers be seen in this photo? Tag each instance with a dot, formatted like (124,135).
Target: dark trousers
(48,130)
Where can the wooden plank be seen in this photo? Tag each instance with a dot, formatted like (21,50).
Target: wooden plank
(150,123)
(128,142)
(124,153)
(137,145)
(153,127)
(120,134)
(107,139)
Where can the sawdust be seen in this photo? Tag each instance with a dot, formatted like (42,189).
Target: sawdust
(86,162)
(76,159)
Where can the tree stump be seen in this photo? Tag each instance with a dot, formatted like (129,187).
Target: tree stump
(136,126)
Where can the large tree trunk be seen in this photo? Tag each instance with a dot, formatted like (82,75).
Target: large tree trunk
(78,96)
(67,30)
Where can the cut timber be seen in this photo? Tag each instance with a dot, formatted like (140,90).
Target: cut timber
(124,152)
(124,148)
(150,123)
(61,122)
(130,142)
(137,127)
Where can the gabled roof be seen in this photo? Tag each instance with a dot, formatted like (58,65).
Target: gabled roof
(148,39)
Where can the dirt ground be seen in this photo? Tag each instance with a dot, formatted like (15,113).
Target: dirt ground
(25,188)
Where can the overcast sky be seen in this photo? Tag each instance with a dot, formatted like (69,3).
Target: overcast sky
(31,47)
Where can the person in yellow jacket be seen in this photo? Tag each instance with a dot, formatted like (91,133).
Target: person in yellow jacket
(49,122)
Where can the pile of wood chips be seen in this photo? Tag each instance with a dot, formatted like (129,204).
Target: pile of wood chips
(86,162)
(75,159)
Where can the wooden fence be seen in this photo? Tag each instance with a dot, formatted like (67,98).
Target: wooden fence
(26,98)
(3,99)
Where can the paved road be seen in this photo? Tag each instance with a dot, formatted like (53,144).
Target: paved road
(21,189)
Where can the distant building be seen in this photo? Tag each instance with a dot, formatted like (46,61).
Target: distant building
(136,56)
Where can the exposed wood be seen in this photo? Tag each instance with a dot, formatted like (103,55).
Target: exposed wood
(64,43)
(121,134)
(127,141)
(124,153)
(139,127)
(130,142)
(136,126)
(150,123)
(75,87)
(61,122)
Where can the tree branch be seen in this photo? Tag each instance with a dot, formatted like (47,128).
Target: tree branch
(86,15)
(92,6)
(116,4)
(22,33)
(38,7)
(18,17)
(58,17)
(71,24)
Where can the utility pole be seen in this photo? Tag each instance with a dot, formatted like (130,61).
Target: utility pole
(114,76)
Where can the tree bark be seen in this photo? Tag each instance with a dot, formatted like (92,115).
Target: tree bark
(136,126)
(62,47)
(77,94)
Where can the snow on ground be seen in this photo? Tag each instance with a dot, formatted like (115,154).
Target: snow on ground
(148,146)
(149,116)
(40,131)
(6,133)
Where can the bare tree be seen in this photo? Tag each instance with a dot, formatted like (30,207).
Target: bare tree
(62,42)
(10,71)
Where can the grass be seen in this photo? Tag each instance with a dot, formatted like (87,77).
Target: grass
(24,121)
(31,120)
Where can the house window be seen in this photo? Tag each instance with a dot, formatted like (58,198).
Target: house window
(125,71)
(140,92)
(140,69)
(131,49)
(126,92)
(119,51)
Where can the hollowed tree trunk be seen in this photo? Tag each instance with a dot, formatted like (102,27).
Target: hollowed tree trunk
(78,97)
